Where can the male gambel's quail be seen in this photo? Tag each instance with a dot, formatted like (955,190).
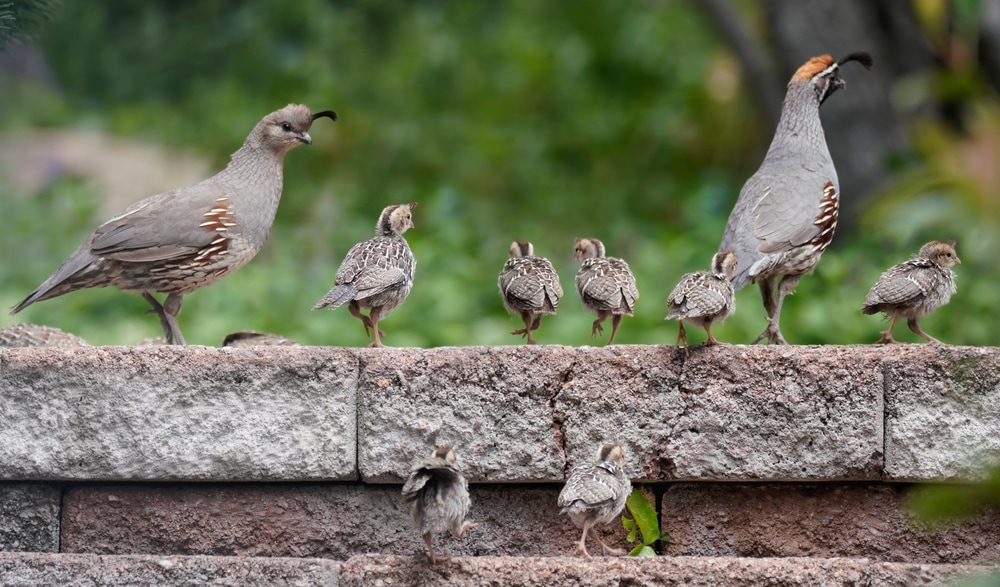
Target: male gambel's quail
(438,495)
(915,288)
(376,274)
(704,297)
(605,284)
(529,287)
(787,211)
(595,493)
(189,238)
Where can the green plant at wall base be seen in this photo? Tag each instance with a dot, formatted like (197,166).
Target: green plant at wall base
(643,524)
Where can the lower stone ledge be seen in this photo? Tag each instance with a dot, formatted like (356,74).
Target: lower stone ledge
(367,570)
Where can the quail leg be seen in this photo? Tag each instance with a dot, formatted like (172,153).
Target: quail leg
(912,323)
(887,333)
(376,314)
(711,339)
(604,547)
(616,321)
(526,331)
(682,340)
(167,315)
(596,329)
(355,310)
(430,549)
(581,547)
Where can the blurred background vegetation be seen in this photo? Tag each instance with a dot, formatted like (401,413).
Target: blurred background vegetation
(635,122)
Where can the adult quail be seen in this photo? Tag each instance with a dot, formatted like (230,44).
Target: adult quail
(703,298)
(179,241)
(595,493)
(33,335)
(605,284)
(529,287)
(787,211)
(915,288)
(438,495)
(376,274)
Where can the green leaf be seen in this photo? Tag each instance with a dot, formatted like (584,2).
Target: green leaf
(642,550)
(644,515)
(630,525)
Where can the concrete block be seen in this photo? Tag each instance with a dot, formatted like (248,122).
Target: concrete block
(29,517)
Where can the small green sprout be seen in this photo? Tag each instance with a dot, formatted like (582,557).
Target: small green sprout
(643,522)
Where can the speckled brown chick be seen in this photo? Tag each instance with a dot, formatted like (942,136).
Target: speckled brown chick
(249,338)
(605,284)
(703,298)
(595,493)
(376,274)
(34,335)
(915,288)
(529,287)
(189,238)
(438,495)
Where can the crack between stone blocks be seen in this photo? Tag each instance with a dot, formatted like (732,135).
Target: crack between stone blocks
(357,416)
(565,381)
(883,474)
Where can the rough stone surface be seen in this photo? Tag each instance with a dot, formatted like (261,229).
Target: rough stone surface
(816,521)
(29,517)
(111,571)
(169,413)
(942,411)
(660,571)
(308,520)
(492,404)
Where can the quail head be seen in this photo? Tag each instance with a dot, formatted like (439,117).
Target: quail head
(703,298)
(438,495)
(595,493)
(185,239)
(376,274)
(787,211)
(529,287)
(605,284)
(915,288)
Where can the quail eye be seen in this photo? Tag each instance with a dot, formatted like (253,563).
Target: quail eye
(286,127)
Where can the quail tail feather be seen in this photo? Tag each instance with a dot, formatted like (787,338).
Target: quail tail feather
(337,297)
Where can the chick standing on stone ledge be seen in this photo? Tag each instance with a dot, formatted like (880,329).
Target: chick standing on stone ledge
(438,495)
(704,297)
(529,287)
(376,274)
(595,493)
(915,288)
(605,284)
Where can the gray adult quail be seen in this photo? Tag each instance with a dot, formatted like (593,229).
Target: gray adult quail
(595,493)
(189,238)
(438,495)
(703,298)
(605,284)
(33,335)
(787,211)
(915,288)
(376,274)
(529,287)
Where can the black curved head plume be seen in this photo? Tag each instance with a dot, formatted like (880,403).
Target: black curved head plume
(326,113)
(862,57)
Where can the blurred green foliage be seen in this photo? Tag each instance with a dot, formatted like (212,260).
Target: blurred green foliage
(625,121)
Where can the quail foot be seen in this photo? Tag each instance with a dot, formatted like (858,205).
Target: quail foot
(605,284)
(915,288)
(189,238)
(786,213)
(376,274)
(703,298)
(529,287)
(438,495)
(595,493)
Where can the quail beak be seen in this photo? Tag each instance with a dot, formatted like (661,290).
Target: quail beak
(957,260)
(305,138)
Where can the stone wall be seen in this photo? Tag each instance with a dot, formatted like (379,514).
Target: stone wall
(771,453)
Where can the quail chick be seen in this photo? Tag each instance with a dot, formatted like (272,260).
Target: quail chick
(189,238)
(595,493)
(377,274)
(787,211)
(605,284)
(703,298)
(915,288)
(34,335)
(248,338)
(438,495)
(529,287)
